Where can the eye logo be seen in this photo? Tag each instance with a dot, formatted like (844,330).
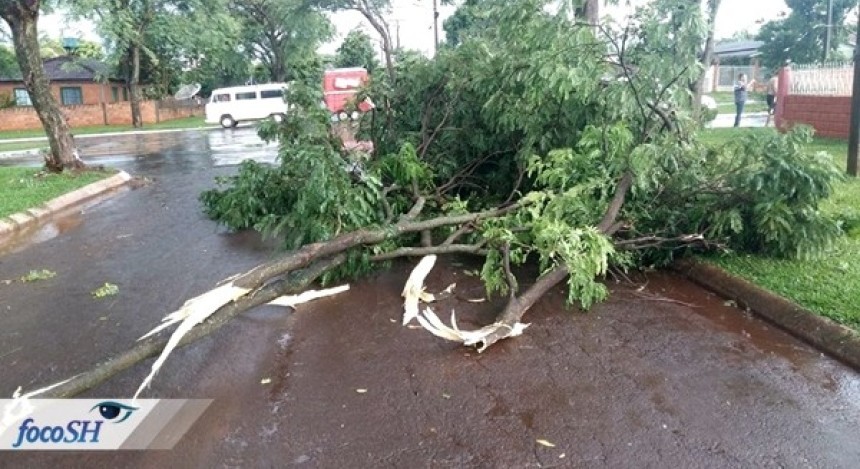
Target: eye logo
(110,410)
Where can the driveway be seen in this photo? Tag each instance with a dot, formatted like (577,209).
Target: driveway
(663,374)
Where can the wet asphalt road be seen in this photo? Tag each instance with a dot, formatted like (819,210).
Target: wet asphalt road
(665,376)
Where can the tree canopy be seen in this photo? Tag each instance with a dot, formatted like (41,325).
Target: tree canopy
(280,33)
(800,36)
(356,50)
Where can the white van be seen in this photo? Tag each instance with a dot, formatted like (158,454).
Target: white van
(229,106)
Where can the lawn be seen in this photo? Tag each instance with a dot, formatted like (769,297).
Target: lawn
(185,123)
(23,188)
(19,146)
(756,102)
(829,286)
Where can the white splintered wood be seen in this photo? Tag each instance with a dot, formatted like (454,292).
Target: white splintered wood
(413,291)
(192,313)
(291,301)
(435,326)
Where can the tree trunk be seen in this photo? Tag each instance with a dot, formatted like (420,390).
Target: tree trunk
(592,11)
(134,85)
(706,58)
(381,28)
(279,64)
(22,17)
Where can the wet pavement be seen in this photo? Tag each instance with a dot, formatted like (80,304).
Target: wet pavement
(749,119)
(663,374)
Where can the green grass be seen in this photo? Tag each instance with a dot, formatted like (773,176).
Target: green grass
(185,123)
(24,188)
(18,146)
(756,102)
(829,286)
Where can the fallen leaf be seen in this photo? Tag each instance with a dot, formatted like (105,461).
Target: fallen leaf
(36,275)
(446,396)
(562,456)
(265,380)
(545,443)
(361,391)
(108,289)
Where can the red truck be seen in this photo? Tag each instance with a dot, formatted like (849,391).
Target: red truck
(340,86)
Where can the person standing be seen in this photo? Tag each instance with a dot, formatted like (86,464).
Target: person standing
(772,86)
(741,87)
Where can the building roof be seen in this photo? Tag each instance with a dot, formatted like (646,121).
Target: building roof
(743,49)
(71,68)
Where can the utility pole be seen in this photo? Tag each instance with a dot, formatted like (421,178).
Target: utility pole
(854,131)
(435,26)
(828,34)
(397,26)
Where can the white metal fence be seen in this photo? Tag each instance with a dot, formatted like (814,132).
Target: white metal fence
(834,79)
(727,74)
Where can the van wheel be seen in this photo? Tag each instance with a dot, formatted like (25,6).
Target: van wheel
(228,122)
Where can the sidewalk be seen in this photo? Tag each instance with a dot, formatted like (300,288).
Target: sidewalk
(748,119)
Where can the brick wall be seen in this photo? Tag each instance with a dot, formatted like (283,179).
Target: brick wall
(25,118)
(829,115)
(91,93)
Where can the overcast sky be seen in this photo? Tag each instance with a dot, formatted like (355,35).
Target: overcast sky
(415,18)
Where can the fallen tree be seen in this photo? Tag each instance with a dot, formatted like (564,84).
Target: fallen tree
(563,147)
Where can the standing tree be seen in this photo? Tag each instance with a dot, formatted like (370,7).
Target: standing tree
(22,17)
(356,51)
(706,58)
(137,29)
(374,12)
(800,37)
(281,32)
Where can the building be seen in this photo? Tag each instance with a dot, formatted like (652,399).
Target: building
(740,52)
(730,59)
(74,81)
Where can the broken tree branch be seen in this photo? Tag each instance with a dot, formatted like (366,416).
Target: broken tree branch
(294,283)
(433,250)
(508,322)
(306,254)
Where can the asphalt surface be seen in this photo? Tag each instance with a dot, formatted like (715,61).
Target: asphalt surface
(663,374)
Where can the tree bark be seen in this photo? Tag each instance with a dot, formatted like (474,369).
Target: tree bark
(134,86)
(22,16)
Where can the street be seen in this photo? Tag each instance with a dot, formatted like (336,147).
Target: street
(666,375)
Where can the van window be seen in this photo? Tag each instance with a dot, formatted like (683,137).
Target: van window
(264,94)
(246,95)
(220,98)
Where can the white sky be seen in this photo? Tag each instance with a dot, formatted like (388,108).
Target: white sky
(416,21)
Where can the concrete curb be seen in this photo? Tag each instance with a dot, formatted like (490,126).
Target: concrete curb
(21,221)
(828,336)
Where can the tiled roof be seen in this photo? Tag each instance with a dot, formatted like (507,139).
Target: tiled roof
(70,68)
(737,48)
